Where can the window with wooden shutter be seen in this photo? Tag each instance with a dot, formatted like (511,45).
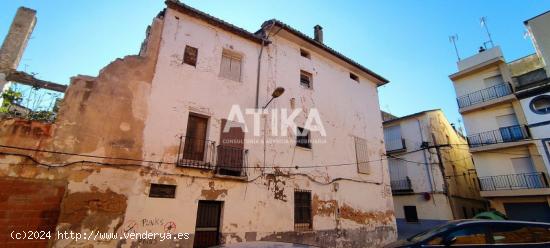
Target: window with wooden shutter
(361,154)
(302,210)
(230,67)
(190,55)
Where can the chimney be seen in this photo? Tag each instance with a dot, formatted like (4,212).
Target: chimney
(17,38)
(318,33)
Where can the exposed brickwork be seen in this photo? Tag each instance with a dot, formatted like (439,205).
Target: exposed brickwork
(27,205)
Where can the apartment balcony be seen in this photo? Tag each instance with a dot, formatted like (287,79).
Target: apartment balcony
(401,186)
(484,97)
(395,145)
(204,154)
(501,136)
(531,78)
(514,184)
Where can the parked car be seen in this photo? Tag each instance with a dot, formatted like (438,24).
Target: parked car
(481,233)
(264,244)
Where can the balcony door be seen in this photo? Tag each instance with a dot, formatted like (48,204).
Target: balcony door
(509,128)
(398,169)
(195,138)
(231,149)
(525,173)
(393,138)
(493,90)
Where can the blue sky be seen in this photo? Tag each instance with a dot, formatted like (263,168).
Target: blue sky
(405,41)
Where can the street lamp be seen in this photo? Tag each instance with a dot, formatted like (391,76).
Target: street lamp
(276,93)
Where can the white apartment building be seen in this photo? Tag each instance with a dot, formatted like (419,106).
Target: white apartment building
(504,106)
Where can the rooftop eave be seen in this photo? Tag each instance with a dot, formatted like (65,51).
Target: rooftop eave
(379,80)
(188,10)
(398,119)
(477,68)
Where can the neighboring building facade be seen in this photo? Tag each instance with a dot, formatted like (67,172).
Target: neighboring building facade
(429,190)
(141,146)
(504,107)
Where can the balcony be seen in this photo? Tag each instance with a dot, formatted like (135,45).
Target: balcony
(395,145)
(484,95)
(232,161)
(401,186)
(536,180)
(502,135)
(528,79)
(196,153)
(204,154)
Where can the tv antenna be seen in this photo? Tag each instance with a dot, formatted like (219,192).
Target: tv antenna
(483,22)
(453,39)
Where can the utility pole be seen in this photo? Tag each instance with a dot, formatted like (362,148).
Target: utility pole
(437,148)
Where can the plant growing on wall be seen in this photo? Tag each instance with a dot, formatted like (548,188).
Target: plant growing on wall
(9,98)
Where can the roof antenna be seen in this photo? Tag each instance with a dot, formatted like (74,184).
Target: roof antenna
(453,39)
(483,22)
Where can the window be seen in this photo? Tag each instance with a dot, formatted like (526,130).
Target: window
(541,233)
(410,214)
(492,81)
(231,66)
(302,138)
(194,148)
(466,235)
(540,104)
(513,233)
(162,191)
(393,139)
(362,155)
(302,210)
(305,53)
(398,169)
(190,56)
(305,79)
(354,77)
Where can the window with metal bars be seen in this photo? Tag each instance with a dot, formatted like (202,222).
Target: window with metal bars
(302,210)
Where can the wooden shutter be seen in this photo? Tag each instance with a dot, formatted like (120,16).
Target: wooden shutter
(362,156)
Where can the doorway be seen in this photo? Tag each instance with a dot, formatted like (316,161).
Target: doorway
(207,230)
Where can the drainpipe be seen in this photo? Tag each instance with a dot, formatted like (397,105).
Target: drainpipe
(265,42)
(258,72)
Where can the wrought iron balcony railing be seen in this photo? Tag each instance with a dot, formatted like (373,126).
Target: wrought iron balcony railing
(395,145)
(502,135)
(401,185)
(232,161)
(197,153)
(534,180)
(204,154)
(484,95)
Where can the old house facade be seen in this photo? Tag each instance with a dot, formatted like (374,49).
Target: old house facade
(504,107)
(432,174)
(141,146)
